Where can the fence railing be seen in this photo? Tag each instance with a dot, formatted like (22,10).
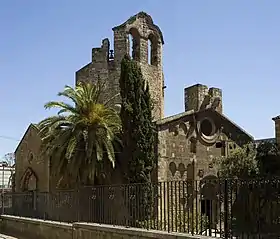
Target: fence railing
(219,208)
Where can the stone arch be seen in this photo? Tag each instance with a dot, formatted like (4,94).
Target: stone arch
(172,168)
(209,198)
(134,43)
(209,187)
(153,54)
(29,180)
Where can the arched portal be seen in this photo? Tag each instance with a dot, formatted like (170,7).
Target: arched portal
(209,190)
(29,180)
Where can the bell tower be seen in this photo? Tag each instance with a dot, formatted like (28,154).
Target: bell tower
(143,40)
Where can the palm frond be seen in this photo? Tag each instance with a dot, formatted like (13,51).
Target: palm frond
(80,138)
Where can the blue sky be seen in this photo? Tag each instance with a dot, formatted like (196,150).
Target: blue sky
(233,45)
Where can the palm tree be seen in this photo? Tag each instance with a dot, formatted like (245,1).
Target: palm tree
(82,135)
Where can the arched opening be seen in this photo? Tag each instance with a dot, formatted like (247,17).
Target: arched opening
(153,52)
(149,52)
(134,44)
(209,199)
(29,180)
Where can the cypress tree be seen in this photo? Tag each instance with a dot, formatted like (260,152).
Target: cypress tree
(138,127)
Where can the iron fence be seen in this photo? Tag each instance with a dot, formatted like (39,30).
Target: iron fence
(219,208)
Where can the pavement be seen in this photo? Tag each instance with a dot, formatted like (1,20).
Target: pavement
(2,236)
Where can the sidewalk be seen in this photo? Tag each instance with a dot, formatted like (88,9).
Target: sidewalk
(6,237)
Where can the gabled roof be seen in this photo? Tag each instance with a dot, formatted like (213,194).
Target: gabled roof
(174,117)
(191,112)
(31,126)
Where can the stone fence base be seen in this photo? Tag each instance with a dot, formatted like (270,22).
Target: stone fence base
(30,228)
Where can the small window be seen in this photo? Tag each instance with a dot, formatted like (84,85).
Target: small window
(193,145)
(31,157)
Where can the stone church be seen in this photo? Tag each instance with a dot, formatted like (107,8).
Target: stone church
(187,142)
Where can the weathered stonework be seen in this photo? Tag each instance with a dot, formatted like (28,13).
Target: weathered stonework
(33,228)
(187,147)
(31,170)
(105,65)
(198,97)
(186,152)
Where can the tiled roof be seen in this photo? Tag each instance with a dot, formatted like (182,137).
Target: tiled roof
(276,117)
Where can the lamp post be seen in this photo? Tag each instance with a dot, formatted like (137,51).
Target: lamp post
(3,164)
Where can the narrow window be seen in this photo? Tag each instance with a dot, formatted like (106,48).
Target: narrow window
(130,38)
(149,52)
(153,52)
(193,145)
(134,44)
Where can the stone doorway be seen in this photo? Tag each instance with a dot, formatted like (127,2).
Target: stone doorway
(209,203)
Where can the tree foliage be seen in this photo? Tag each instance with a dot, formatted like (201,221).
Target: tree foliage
(239,164)
(10,158)
(138,139)
(138,127)
(82,134)
(255,209)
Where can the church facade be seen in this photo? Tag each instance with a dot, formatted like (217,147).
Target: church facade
(187,142)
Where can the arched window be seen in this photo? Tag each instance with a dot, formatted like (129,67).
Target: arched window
(153,52)
(134,44)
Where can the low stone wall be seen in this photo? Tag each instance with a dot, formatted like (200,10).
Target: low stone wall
(24,228)
(29,228)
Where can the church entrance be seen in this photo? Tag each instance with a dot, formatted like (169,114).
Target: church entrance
(206,207)
(209,199)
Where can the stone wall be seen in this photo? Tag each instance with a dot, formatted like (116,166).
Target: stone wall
(181,147)
(29,161)
(38,229)
(187,149)
(199,96)
(24,228)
